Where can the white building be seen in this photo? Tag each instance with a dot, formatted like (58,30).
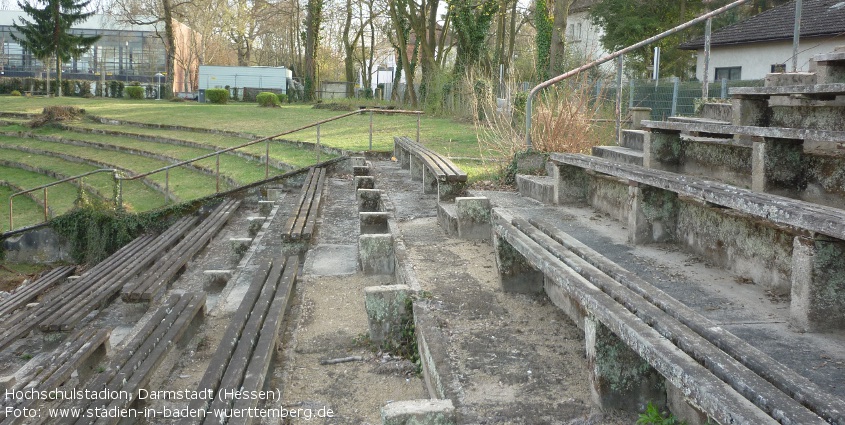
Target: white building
(762,44)
(581,35)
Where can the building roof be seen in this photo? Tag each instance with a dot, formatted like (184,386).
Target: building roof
(95,22)
(582,5)
(819,18)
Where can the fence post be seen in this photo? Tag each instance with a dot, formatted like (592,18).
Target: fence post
(318,142)
(371,131)
(631,94)
(676,86)
(46,208)
(167,186)
(419,117)
(11,221)
(267,160)
(119,183)
(619,64)
(724,88)
(218,173)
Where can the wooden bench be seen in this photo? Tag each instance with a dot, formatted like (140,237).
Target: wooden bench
(303,218)
(660,330)
(132,368)
(165,269)
(78,353)
(243,357)
(438,174)
(27,293)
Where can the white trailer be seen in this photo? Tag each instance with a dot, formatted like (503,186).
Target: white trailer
(256,77)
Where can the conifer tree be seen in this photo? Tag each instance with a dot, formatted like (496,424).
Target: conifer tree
(48,35)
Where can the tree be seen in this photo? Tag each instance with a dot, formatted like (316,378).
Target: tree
(543,24)
(49,34)
(558,44)
(472,22)
(313,18)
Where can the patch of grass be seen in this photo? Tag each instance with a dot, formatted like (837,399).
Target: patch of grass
(27,212)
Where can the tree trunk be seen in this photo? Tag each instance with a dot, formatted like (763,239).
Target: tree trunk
(169,41)
(58,76)
(557,52)
(349,52)
(312,28)
(402,50)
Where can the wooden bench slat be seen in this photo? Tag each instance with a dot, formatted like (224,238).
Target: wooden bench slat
(259,363)
(26,294)
(313,210)
(290,226)
(304,207)
(439,165)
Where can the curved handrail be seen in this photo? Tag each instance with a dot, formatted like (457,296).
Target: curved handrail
(614,55)
(119,179)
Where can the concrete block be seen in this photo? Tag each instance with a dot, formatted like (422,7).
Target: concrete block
(373,222)
(430,182)
(633,139)
(514,271)
(473,215)
(216,277)
(376,254)
(619,377)
(653,214)
(240,245)
(663,150)
(638,115)
(790,79)
(275,194)
(386,311)
(7,382)
(447,217)
(416,167)
(369,200)
(365,182)
(71,279)
(682,409)
(776,164)
(818,284)
(361,170)
(530,162)
(749,111)
(265,207)
(541,188)
(358,161)
(448,191)
(419,412)
(570,184)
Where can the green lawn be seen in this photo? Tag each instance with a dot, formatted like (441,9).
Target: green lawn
(350,133)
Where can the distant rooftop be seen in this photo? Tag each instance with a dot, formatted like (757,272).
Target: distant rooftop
(819,18)
(95,22)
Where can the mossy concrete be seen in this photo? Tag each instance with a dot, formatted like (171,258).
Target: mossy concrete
(570,183)
(818,285)
(609,195)
(473,218)
(515,272)
(365,182)
(376,254)
(419,412)
(369,200)
(385,306)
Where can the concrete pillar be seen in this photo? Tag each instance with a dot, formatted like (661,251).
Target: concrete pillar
(369,200)
(430,182)
(376,254)
(416,167)
(653,215)
(638,115)
(361,170)
(681,407)
(749,111)
(419,412)
(473,218)
(818,284)
(275,194)
(619,377)
(570,184)
(265,207)
(386,311)
(365,182)
(373,222)
(448,191)
(516,274)
(776,164)
(404,159)
(663,150)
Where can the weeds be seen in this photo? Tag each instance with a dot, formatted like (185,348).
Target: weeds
(653,416)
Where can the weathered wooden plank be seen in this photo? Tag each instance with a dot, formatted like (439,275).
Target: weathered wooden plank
(32,290)
(314,206)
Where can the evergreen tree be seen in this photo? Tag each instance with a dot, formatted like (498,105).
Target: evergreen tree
(48,35)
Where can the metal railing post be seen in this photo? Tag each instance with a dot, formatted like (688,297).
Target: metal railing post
(11,221)
(705,80)
(318,142)
(218,173)
(619,65)
(614,55)
(371,130)
(119,182)
(267,160)
(167,186)
(419,119)
(631,94)
(46,208)
(675,87)
(724,93)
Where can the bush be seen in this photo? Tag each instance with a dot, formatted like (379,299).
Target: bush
(283,98)
(218,96)
(15,93)
(267,99)
(135,92)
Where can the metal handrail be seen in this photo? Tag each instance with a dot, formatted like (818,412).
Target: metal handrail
(44,187)
(119,179)
(614,55)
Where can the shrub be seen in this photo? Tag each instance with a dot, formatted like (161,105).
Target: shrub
(135,92)
(283,98)
(15,93)
(267,99)
(218,96)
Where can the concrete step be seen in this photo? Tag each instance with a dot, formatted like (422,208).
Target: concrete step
(541,188)
(717,111)
(822,91)
(697,120)
(619,154)
(633,139)
(447,216)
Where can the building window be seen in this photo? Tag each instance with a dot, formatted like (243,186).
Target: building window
(571,31)
(729,73)
(779,68)
(579,31)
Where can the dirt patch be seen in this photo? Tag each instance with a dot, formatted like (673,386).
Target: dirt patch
(54,114)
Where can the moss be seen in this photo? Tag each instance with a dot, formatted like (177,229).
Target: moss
(511,261)
(667,147)
(783,163)
(829,270)
(826,171)
(732,157)
(619,366)
(660,206)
